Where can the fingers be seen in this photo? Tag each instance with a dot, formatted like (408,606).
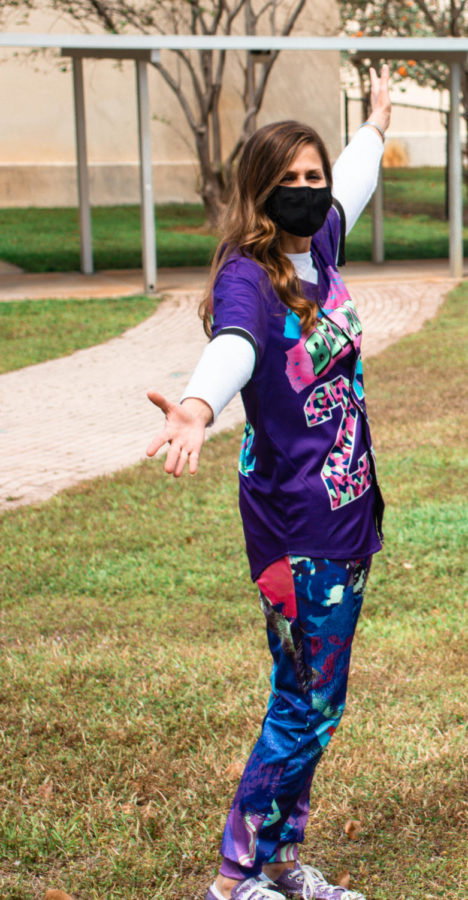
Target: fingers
(177,458)
(379,84)
(384,74)
(157,443)
(172,458)
(180,464)
(380,97)
(164,405)
(193,462)
(184,432)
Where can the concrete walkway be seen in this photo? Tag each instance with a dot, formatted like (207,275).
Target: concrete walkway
(18,285)
(87,414)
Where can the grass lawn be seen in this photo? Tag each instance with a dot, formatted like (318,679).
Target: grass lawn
(134,671)
(44,240)
(47,240)
(414,226)
(32,331)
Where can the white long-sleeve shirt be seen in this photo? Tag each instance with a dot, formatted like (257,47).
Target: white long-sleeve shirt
(228,361)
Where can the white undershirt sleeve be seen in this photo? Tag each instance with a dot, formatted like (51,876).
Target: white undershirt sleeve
(224,368)
(356,172)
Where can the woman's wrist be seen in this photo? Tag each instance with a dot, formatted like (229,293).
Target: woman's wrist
(198,408)
(371,123)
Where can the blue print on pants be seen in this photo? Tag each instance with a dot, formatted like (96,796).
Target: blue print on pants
(311,608)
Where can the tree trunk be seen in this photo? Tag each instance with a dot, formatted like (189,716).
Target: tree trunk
(213,202)
(214,189)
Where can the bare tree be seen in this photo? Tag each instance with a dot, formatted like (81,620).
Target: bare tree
(197,78)
(200,93)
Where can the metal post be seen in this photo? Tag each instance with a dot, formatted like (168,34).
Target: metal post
(346,117)
(378,252)
(455,176)
(148,231)
(86,246)
(446,169)
(250,71)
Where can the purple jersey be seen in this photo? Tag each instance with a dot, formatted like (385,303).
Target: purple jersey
(306,469)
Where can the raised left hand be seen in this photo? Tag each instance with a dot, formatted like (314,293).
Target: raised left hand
(381,105)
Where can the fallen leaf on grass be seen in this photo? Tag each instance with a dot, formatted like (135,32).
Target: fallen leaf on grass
(46,790)
(235,769)
(56,895)
(149,812)
(352,829)
(128,809)
(344,879)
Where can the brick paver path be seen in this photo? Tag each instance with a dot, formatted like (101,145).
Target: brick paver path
(87,414)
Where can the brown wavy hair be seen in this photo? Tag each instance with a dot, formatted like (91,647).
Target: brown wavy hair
(249,231)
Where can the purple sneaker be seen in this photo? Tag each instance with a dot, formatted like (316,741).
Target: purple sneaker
(306,883)
(250,889)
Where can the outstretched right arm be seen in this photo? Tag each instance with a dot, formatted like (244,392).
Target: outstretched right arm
(240,330)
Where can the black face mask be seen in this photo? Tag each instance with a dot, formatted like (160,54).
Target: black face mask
(299,210)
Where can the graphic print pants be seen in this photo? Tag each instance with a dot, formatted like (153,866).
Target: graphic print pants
(311,608)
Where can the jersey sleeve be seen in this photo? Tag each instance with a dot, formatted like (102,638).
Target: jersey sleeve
(340,255)
(239,304)
(330,240)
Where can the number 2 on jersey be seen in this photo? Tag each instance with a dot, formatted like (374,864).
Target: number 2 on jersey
(342,485)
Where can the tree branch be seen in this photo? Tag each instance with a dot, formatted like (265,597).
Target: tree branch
(168,78)
(103,15)
(232,15)
(184,56)
(197,16)
(217,17)
(422,5)
(293,17)
(260,90)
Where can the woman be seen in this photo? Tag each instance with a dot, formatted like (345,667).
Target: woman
(284,331)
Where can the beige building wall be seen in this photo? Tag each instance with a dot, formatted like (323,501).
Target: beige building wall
(37,148)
